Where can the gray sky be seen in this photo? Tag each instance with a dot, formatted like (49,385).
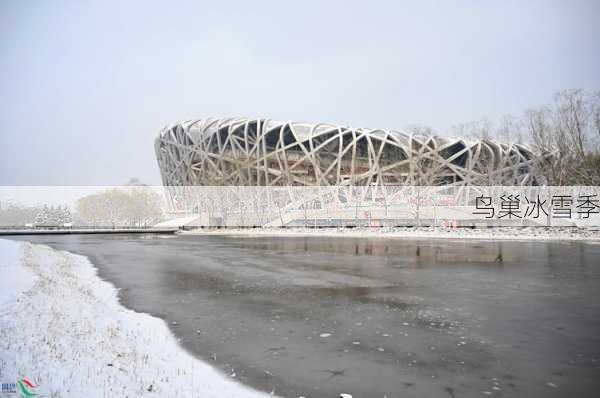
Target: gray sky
(86,86)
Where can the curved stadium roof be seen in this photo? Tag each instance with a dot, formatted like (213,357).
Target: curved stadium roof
(263,152)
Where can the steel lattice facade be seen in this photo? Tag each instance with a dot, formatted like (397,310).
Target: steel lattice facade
(262,152)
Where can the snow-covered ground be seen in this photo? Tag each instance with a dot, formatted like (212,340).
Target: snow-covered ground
(495,233)
(63,328)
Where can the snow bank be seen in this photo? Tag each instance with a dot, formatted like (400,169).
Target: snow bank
(62,327)
(177,222)
(495,233)
(14,279)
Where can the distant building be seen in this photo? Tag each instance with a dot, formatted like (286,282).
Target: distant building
(262,152)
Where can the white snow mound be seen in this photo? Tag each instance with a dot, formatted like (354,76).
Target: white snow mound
(62,327)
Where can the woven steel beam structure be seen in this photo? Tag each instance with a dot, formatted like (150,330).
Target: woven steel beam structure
(262,152)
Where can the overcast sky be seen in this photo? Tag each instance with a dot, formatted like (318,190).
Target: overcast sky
(86,86)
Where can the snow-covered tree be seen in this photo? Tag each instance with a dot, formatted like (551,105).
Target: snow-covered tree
(128,206)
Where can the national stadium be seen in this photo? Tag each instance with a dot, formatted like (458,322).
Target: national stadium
(261,172)
(263,152)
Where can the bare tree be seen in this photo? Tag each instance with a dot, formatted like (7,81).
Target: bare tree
(569,130)
(556,153)
(479,129)
(572,118)
(510,129)
(595,116)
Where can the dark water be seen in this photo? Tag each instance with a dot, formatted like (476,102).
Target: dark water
(406,318)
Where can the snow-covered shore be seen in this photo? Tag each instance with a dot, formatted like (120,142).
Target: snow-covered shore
(63,328)
(495,233)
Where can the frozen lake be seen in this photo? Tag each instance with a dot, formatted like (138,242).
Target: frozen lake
(371,317)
